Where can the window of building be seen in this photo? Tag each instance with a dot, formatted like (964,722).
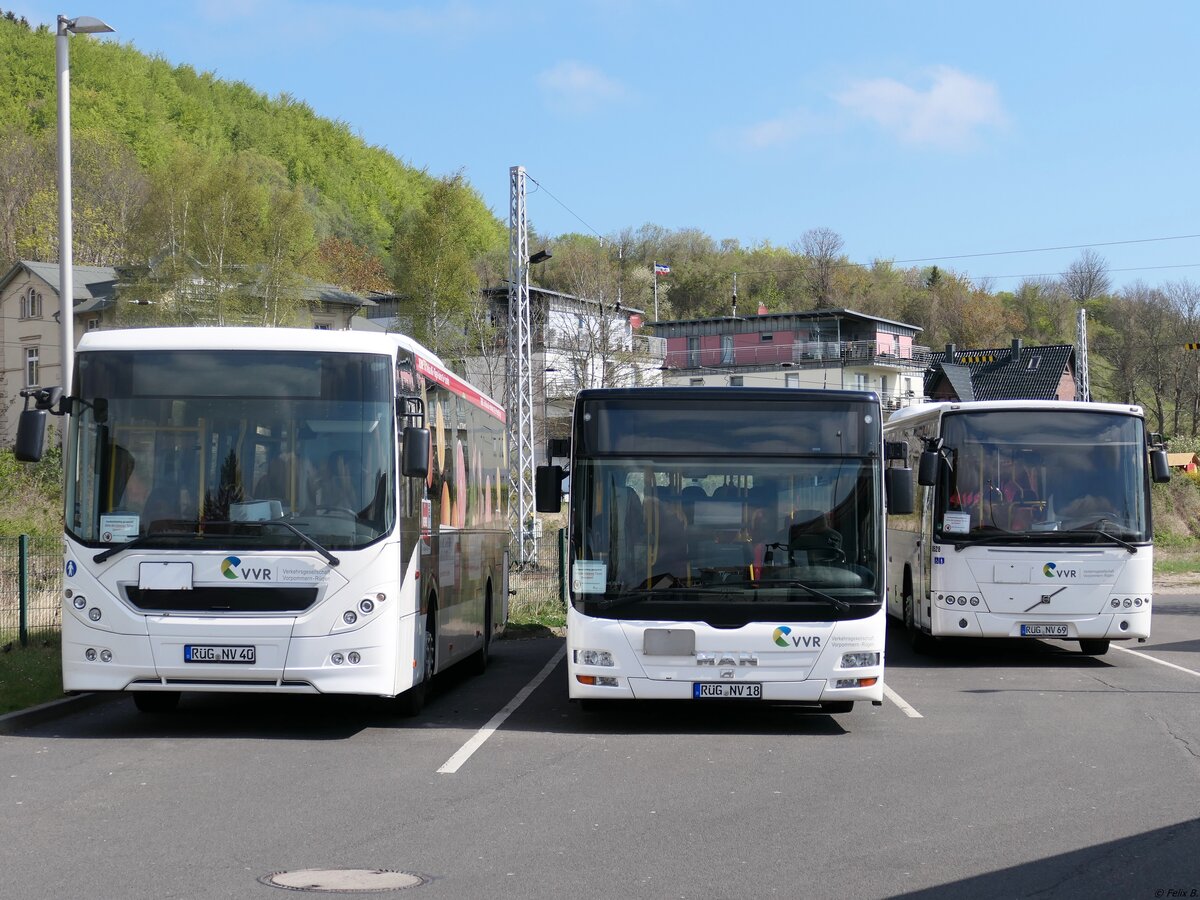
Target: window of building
(860,381)
(791,379)
(735,381)
(1034,362)
(31,304)
(93,324)
(322,326)
(695,382)
(766,337)
(727,349)
(31,367)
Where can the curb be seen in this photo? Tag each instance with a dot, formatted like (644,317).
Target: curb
(14,722)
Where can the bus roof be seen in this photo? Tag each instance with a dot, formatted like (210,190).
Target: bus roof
(677,393)
(937,409)
(236,338)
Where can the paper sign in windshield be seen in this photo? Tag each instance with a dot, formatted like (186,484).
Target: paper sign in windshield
(588,576)
(956,523)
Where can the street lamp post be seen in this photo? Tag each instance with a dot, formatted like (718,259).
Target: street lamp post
(66,262)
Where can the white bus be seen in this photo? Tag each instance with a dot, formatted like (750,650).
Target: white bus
(725,543)
(1031,520)
(275,510)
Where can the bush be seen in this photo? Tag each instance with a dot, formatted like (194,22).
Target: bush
(32,500)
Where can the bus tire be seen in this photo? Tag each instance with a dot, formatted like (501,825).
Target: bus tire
(156,701)
(479,659)
(835,707)
(412,701)
(1093,646)
(922,643)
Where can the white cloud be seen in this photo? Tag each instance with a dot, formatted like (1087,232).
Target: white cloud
(950,112)
(782,130)
(573,87)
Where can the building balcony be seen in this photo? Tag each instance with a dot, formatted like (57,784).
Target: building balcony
(800,354)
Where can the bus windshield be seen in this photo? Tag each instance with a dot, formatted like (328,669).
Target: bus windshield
(174,448)
(1032,472)
(698,513)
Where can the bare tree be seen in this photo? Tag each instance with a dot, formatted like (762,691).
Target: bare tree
(823,248)
(1087,277)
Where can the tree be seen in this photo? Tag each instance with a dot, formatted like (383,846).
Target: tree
(822,248)
(434,252)
(1087,277)
(352,266)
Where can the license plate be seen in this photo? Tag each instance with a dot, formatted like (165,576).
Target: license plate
(702,690)
(201,653)
(1043,630)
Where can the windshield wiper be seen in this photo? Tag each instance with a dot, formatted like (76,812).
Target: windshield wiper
(836,602)
(1021,537)
(1102,533)
(145,539)
(636,596)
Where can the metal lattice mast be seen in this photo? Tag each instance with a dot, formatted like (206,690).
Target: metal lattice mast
(1083,390)
(519,380)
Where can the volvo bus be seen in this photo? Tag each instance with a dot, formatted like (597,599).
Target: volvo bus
(725,543)
(274,510)
(1031,520)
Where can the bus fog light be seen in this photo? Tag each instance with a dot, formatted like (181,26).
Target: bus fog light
(90,654)
(94,614)
(593,658)
(606,681)
(337,659)
(962,623)
(846,683)
(366,606)
(79,602)
(105,656)
(1124,625)
(349,617)
(859,660)
(354,658)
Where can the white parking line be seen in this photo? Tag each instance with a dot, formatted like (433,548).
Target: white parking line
(455,762)
(1161,662)
(900,702)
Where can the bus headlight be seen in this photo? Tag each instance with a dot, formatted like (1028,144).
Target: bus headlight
(366,605)
(859,660)
(80,601)
(349,617)
(94,614)
(593,658)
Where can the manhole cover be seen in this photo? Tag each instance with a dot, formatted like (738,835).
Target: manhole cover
(344,881)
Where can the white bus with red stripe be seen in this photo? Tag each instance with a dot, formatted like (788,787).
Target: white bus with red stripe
(276,511)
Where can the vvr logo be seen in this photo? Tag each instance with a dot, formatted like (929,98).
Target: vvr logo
(1050,570)
(231,569)
(783,637)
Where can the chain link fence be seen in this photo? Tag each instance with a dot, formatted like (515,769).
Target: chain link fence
(31,570)
(538,586)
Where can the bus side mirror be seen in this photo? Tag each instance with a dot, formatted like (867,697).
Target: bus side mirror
(31,435)
(547,487)
(415,463)
(898,484)
(927,474)
(1159,470)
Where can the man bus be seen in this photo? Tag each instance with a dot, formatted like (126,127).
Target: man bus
(1032,520)
(266,510)
(725,543)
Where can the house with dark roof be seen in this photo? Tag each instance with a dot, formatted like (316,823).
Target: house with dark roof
(30,337)
(1015,372)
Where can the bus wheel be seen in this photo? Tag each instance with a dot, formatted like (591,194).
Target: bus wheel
(834,707)
(412,701)
(479,659)
(1094,647)
(156,701)
(922,643)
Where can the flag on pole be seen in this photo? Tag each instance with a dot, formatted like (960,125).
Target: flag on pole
(662,269)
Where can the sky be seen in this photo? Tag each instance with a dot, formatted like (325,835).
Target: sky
(995,140)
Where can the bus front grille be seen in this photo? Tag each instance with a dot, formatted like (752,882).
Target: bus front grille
(222,599)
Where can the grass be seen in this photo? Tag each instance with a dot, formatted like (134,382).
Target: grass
(30,675)
(1177,560)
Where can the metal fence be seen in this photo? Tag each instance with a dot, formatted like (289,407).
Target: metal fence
(538,587)
(30,587)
